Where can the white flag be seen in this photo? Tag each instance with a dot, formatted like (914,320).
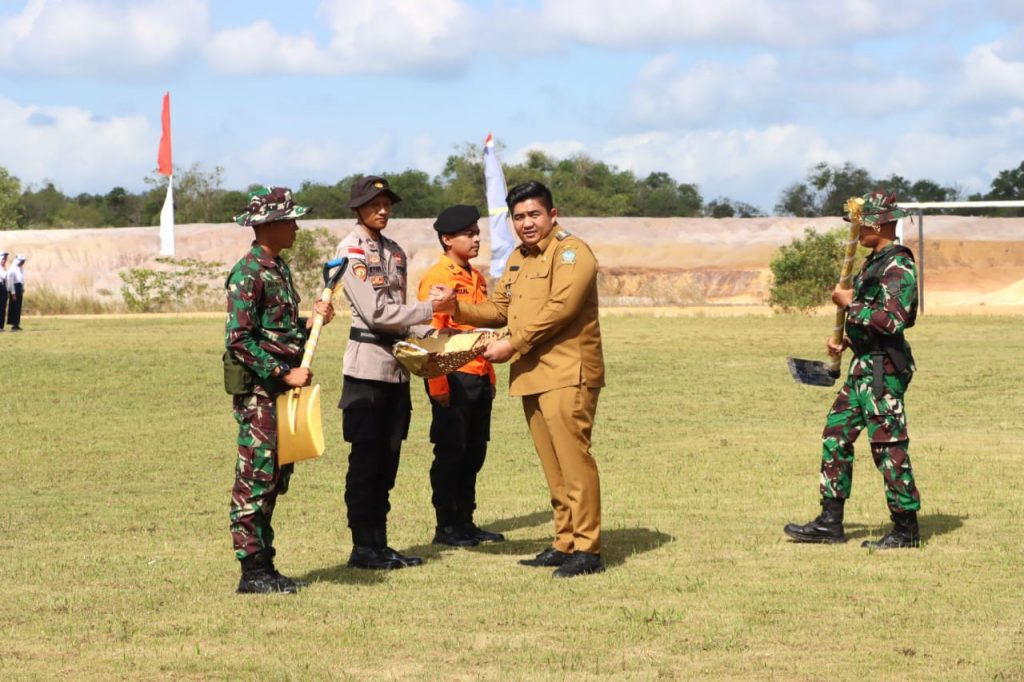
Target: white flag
(502,241)
(167,221)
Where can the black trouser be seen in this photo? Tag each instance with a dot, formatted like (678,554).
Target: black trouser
(375,420)
(14,310)
(460,433)
(3,300)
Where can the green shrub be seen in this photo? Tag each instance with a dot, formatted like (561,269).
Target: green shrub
(193,285)
(312,248)
(805,271)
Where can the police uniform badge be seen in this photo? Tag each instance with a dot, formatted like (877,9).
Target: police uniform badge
(568,256)
(359,270)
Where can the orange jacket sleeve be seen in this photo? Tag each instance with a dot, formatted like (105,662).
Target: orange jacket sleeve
(437,385)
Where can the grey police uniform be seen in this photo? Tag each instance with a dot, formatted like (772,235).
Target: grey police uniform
(375,403)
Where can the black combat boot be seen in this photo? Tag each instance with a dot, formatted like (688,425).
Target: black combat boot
(367,553)
(454,536)
(548,557)
(283,580)
(580,563)
(259,576)
(828,527)
(380,535)
(477,533)
(905,533)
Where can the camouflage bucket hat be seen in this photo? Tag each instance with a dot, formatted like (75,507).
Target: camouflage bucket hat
(879,207)
(268,204)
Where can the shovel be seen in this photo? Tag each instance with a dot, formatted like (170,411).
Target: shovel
(300,431)
(816,372)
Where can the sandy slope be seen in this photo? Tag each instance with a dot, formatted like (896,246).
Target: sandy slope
(967,261)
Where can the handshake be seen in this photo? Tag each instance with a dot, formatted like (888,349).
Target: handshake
(442,299)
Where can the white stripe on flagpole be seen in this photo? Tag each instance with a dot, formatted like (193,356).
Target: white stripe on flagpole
(167,221)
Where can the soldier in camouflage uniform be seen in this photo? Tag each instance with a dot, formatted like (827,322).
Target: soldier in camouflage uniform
(264,337)
(880,306)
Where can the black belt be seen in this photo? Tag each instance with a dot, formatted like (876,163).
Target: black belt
(366,336)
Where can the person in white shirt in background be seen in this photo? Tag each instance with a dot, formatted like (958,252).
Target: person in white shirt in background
(3,288)
(15,292)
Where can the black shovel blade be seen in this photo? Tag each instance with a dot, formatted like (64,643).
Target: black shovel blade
(811,372)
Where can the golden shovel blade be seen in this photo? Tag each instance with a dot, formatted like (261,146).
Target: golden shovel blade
(300,433)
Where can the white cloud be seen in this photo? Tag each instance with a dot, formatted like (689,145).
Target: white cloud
(78,151)
(785,24)
(259,48)
(385,36)
(666,94)
(968,161)
(988,76)
(752,165)
(109,38)
(290,160)
(877,96)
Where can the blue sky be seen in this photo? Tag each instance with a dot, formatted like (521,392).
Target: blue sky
(738,96)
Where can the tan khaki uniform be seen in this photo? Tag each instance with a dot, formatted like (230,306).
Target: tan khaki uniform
(548,299)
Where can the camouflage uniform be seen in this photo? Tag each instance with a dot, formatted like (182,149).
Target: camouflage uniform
(884,305)
(263,332)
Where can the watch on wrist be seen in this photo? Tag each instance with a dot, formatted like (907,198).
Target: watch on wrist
(284,369)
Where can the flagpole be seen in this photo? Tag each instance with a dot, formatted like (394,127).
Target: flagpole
(502,241)
(166,167)
(167,221)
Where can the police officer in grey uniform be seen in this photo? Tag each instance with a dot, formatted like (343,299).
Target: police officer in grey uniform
(375,402)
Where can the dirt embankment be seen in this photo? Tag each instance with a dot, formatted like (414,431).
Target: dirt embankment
(644,261)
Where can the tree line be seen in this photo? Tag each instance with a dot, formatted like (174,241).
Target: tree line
(584,187)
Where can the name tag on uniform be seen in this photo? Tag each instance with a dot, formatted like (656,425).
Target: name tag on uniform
(513,268)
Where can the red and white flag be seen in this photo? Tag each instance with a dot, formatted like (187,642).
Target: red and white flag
(166,167)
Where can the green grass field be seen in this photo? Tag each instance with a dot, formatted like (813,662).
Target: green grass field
(117,446)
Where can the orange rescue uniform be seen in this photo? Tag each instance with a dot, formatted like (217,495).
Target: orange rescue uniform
(470,287)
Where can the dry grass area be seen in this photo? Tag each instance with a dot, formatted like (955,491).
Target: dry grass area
(645,261)
(117,445)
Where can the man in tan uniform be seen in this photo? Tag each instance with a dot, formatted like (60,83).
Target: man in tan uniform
(548,299)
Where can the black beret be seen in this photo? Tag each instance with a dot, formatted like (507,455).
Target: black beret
(456,219)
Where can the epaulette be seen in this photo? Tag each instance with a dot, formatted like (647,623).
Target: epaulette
(562,234)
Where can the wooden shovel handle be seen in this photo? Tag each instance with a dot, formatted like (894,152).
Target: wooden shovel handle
(845,282)
(331,282)
(314,331)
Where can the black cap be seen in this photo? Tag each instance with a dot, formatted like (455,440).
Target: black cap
(367,187)
(456,219)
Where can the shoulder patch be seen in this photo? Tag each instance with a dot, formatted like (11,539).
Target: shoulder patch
(568,256)
(359,270)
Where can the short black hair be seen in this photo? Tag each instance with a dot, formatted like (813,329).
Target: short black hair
(529,190)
